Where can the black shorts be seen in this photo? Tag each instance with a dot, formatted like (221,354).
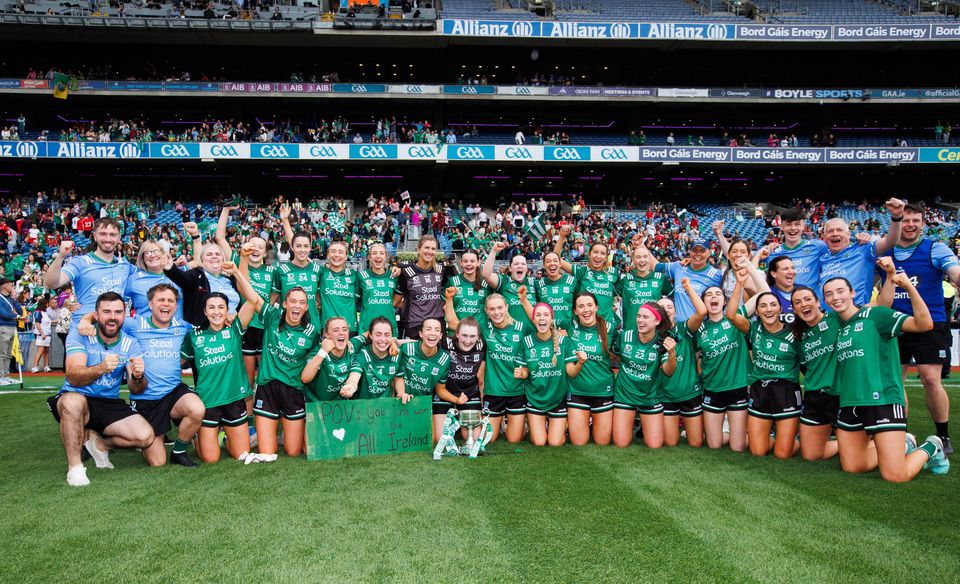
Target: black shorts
(646,409)
(819,409)
(731,400)
(873,419)
(440,407)
(275,399)
(560,411)
(690,408)
(929,348)
(157,411)
(498,405)
(228,415)
(103,411)
(252,342)
(774,399)
(596,404)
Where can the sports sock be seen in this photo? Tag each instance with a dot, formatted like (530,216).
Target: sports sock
(929,447)
(942,430)
(179,446)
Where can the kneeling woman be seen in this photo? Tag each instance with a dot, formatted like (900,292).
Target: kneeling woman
(646,353)
(215,347)
(871,386)
(774,372)
(545,356)
(591,376)
(504,391)
(466,376)
(325,373)
(375,373)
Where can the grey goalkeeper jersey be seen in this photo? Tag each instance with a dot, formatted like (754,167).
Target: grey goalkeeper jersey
(423,291)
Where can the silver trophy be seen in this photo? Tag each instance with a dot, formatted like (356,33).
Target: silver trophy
(469,419)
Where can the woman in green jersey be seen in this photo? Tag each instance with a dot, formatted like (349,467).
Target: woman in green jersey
(871,385)
(646,354)
(504,389)
(597,277)
(327,371)
(508,285)
(300,272)
(774,370)
(289,338)
(469,289)
(425,367)
(682,391)
(375,287)
(375,373)
(555,287)
(544,359)
(216,349)
(261,278)
(723,366)
(590,406)
(641,284)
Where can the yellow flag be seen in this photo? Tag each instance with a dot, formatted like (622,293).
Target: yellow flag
(15,352)
(61,85)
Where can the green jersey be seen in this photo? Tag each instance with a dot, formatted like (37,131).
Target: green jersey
(333,373)
(286,349)
(816,352)
(338,296)
(602,284)
(508,287)
(547,385)
(639,379)
(723,355)
(376,374)
(684,384)
(421,374)
(635,291)
(558,294)
(287,275)
(596,376)
(773,355)
(868,358)
(504,346)
(262,281)
(469,301)
(376,299)
(221,375)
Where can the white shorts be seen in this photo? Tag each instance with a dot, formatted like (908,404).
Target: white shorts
(44,342)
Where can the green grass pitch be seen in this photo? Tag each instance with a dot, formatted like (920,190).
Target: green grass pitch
(521,514)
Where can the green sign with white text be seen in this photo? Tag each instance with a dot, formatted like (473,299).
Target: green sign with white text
(345,428)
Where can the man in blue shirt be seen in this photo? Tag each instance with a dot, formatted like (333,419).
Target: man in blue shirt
(701,275)
(166,398)
(856,261)
(96,367)
(926,263)
(10,313)
(804,253)
(94,273)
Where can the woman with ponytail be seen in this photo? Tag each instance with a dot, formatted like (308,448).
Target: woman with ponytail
(545,355)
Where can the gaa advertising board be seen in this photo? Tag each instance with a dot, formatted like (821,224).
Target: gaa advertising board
(349,428)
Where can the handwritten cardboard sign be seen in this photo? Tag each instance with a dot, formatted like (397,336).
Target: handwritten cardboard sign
(340,429)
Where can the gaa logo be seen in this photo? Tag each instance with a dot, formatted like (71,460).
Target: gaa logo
(468,89)
(522,90)
(128,150)
(413,89)
(419,152)
(470,152)
(372,152)
(274,152)
(27,149)
(522,28)
(619,30)
(356,88)
(224,151)
(322,152)
(566,154)
(174,151)
(716,31)
(613,154)
(518,153)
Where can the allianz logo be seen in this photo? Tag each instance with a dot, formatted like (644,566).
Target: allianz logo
(619,30)
(613,154)
(518,153)
(274,151)
(322,152)
(174,151)
(224,150)
(20,150)
(470,153)
(522,28)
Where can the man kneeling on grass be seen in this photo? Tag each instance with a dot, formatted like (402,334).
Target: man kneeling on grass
(90,398)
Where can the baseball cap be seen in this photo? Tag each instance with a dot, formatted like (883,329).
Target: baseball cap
(697,242)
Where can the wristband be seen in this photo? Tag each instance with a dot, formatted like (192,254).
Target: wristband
(194,237)
(135,378)
(322,354)
(896,219)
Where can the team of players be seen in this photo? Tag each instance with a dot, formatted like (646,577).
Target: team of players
(555,356)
